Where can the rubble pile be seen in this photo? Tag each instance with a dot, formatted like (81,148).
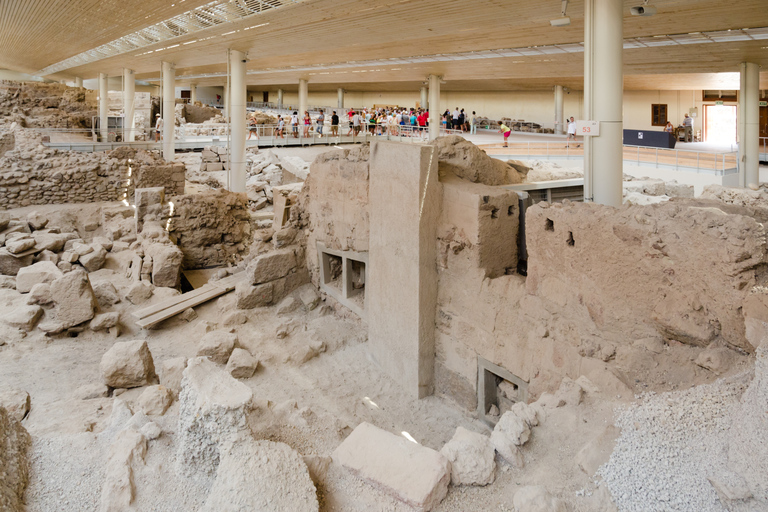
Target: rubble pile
(41,105)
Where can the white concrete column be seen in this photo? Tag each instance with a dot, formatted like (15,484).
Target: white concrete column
(424,98)
(193,93)
(78,81)
(559,100)
(237,126)
(129,96)
(749,129)
(434,106)
(103,107)
(303,97)
(340,102)
(169,110)
(603,96)
(225,102)
(279,98)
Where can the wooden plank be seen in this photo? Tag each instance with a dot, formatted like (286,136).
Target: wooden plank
(211,293)
(175,305)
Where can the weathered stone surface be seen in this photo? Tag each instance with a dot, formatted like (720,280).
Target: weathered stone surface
(19,245)
(106,294)
(23,317)
(10,265)
(288,305)
(251,296)
(103,321)
(309,297)
(128,364)
(188,315)
(414,474)
(119,490)
(597,451)
(241,364)
(166,264)
(271,266)
(95,259)
(509,433)
(48,241)
(91,391)
(217,345)
(14,464)
(15,401)
(7,282)
(234,318)
(155,400)
(37,220)
(535,498)
(264,476)
(40,294)
(74,299)
(461,157)
(472,458)
(213,409)
(171,373)
(139,292)
(5,219)
(569,393)
(41,272)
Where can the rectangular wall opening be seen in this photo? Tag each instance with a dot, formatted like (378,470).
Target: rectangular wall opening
(497,391)
(343,276)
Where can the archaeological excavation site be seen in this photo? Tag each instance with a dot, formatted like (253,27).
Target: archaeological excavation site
(383,256)
(389,326)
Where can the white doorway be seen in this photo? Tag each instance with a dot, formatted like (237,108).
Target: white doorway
(720,124)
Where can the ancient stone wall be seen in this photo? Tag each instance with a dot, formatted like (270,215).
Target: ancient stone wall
(211,228)
(36,104)
(32,174)
(335,203)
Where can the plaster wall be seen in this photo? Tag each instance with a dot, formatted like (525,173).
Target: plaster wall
(401,290)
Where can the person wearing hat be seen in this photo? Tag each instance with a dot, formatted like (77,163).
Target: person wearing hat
(158,127)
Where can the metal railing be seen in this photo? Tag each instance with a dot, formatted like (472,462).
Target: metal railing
(718,163)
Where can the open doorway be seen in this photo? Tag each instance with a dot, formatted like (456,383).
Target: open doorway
(720,124)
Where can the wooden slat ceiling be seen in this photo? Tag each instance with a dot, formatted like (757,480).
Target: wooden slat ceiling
(37,33)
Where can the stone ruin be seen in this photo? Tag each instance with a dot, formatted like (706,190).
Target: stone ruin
(415,250)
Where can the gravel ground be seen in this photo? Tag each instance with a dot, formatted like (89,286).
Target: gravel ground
(669,444)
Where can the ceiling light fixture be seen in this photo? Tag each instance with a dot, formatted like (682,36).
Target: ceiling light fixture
(643,10)
(563,20)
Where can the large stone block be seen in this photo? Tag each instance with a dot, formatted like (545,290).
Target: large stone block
(414,474)
(251,296)
(128,364)
(41,272)
(472,458)
(166,264)
(271,266)
(74,298)
(213,409)
(217,345)
(10,264)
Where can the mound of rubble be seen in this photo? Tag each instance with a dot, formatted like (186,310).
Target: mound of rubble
(41,105)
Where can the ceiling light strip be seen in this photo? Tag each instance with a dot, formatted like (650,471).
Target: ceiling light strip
(632,43)
(212,14)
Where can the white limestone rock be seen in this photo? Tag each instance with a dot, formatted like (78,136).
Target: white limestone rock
(14,463)
(309,296)
(213,409)
(23,317)
(472,458)
(74,299)
(409,472)
(106,294)
(104,321)
(217,345)
(41,272)
(271,266)
(95,259)
(128,364)
(139,292)
(510,433)
(119,490)
(155,400)
(15,401)
(241,364)
(171,373)
(40,294)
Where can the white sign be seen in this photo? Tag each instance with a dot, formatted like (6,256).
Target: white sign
(588,128)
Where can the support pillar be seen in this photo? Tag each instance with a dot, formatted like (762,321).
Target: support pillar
(559,101)
(78,81)
(424,98)
(603,96)
(103,107)
(237,104)
(225,102)
(749,129)
(129,96)
(340,103)
(169,110)
(193,93)
(303,97)
(279,98)
(434,106)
